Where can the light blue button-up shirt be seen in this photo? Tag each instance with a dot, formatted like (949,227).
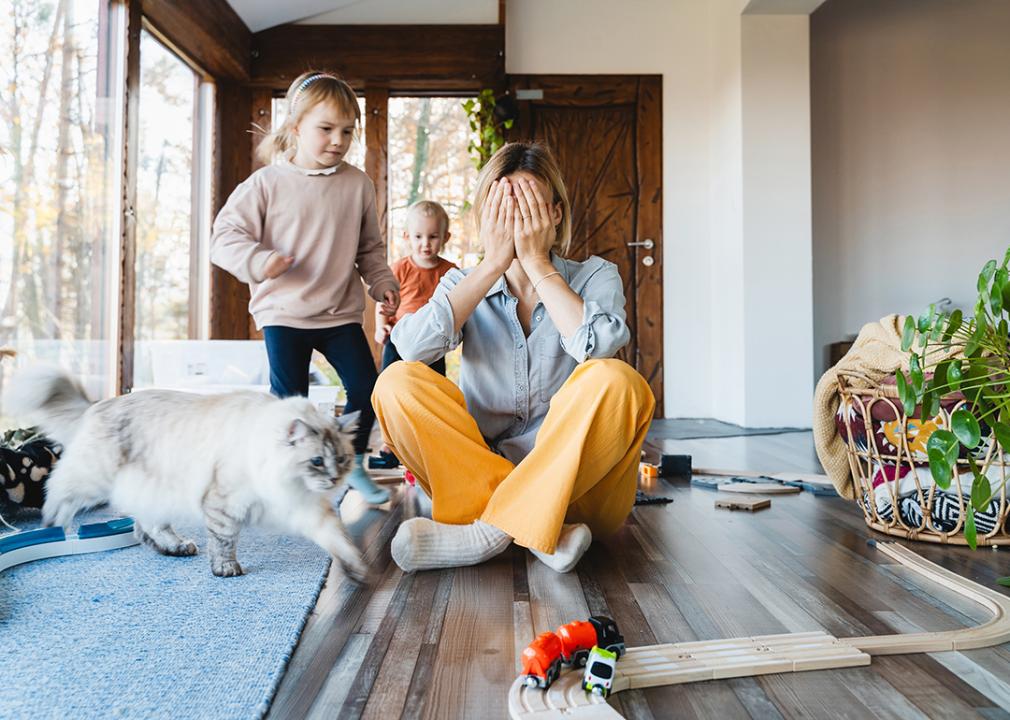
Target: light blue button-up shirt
(508,379)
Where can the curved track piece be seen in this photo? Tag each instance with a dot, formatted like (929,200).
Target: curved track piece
(994,631)
(31,545)
(742,657)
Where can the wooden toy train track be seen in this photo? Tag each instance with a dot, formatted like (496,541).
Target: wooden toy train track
(675,663)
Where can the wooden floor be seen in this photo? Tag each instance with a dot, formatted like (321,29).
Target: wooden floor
(445,644)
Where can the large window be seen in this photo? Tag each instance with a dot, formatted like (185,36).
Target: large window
(169,222)
(428,160)
(61,89)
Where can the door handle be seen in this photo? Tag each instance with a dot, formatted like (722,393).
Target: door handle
(647,244)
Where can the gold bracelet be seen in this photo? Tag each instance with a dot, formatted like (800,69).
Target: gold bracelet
(537,283)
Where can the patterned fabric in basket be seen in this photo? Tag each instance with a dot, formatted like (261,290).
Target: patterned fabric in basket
(885,424)
(944,514)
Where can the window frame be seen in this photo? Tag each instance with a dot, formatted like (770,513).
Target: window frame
(201,194)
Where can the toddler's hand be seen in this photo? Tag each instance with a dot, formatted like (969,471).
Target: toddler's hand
(277,265)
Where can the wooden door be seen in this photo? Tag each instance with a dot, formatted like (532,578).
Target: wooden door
(606,132)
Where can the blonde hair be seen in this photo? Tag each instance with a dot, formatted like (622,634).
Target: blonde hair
(534,159)
(308,90)
(430,208)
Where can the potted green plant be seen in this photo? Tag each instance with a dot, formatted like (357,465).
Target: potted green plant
(486,125)
(951,353)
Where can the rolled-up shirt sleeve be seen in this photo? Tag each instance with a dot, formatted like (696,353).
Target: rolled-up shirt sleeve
(427,335)
(604,329)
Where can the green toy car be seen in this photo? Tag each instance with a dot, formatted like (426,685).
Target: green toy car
(599,675)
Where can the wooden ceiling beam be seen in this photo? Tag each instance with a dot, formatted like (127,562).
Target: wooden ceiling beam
(207,32)
(451,57)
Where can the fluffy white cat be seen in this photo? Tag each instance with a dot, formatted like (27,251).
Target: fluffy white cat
(162,456)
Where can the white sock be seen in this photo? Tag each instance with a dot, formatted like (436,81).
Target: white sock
(423,544)
(573,542)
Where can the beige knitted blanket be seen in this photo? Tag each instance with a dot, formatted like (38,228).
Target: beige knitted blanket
(877,355)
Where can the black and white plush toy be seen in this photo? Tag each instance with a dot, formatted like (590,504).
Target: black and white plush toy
(26,459)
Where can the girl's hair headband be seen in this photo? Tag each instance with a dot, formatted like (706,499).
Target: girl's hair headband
(304,84)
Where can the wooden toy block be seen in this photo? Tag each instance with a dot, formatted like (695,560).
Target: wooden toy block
(759,488)
(749,504)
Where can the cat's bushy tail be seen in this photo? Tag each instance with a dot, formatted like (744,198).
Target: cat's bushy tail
(49,397)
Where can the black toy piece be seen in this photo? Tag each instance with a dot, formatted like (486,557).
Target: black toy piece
(675,466)
(608,636)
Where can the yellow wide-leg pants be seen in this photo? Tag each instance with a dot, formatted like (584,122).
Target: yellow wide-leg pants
(582,469)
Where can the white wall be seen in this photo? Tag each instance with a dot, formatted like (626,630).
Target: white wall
(911,155)
(713,367)
(777,288)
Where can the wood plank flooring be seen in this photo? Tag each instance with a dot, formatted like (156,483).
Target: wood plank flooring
(445,644)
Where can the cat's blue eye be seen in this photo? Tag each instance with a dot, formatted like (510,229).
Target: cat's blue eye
(317,461)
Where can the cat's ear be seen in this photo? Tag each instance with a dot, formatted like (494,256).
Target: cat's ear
(348,422)
(298,430)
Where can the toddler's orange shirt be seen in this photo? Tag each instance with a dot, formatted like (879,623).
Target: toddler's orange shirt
(417,284)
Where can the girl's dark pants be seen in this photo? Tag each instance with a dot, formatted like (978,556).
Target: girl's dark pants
(344,347)
(390,356)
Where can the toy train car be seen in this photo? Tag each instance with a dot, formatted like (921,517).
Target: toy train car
(542,660)
(571,645)
(579,637)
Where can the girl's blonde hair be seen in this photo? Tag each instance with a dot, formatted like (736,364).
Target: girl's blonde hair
(537,160)
(308,90)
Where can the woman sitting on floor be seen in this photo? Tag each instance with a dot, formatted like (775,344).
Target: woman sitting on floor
(542,445)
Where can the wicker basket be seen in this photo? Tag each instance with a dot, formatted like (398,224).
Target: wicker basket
(859,395)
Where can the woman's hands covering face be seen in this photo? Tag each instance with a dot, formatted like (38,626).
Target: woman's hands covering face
(497,225)
(533,227)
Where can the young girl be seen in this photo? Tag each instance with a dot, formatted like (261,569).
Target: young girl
(303,232)
(540,444)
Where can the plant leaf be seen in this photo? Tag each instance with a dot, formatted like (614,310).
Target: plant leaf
(940,374)
(953,324)
(923,324)
(905,393)
(934,406)
(973,344)
(1002,432)
(986,275)
(944,442)
(965,427)
(927,403)
(907,334)
(970,533)
(915,374)
(1004,581)
(981,491)
(954,375)
(939,467)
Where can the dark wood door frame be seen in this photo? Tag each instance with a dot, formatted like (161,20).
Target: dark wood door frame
(643,94)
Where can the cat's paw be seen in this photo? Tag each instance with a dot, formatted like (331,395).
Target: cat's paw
(186,548)
(357,571)
(226,568)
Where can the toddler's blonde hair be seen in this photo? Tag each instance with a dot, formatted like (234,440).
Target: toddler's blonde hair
(430,208)
(537,160)
(308,90)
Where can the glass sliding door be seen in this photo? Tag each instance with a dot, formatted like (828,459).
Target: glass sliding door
(61,90)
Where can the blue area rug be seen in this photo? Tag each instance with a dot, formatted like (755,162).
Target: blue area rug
(132,634)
